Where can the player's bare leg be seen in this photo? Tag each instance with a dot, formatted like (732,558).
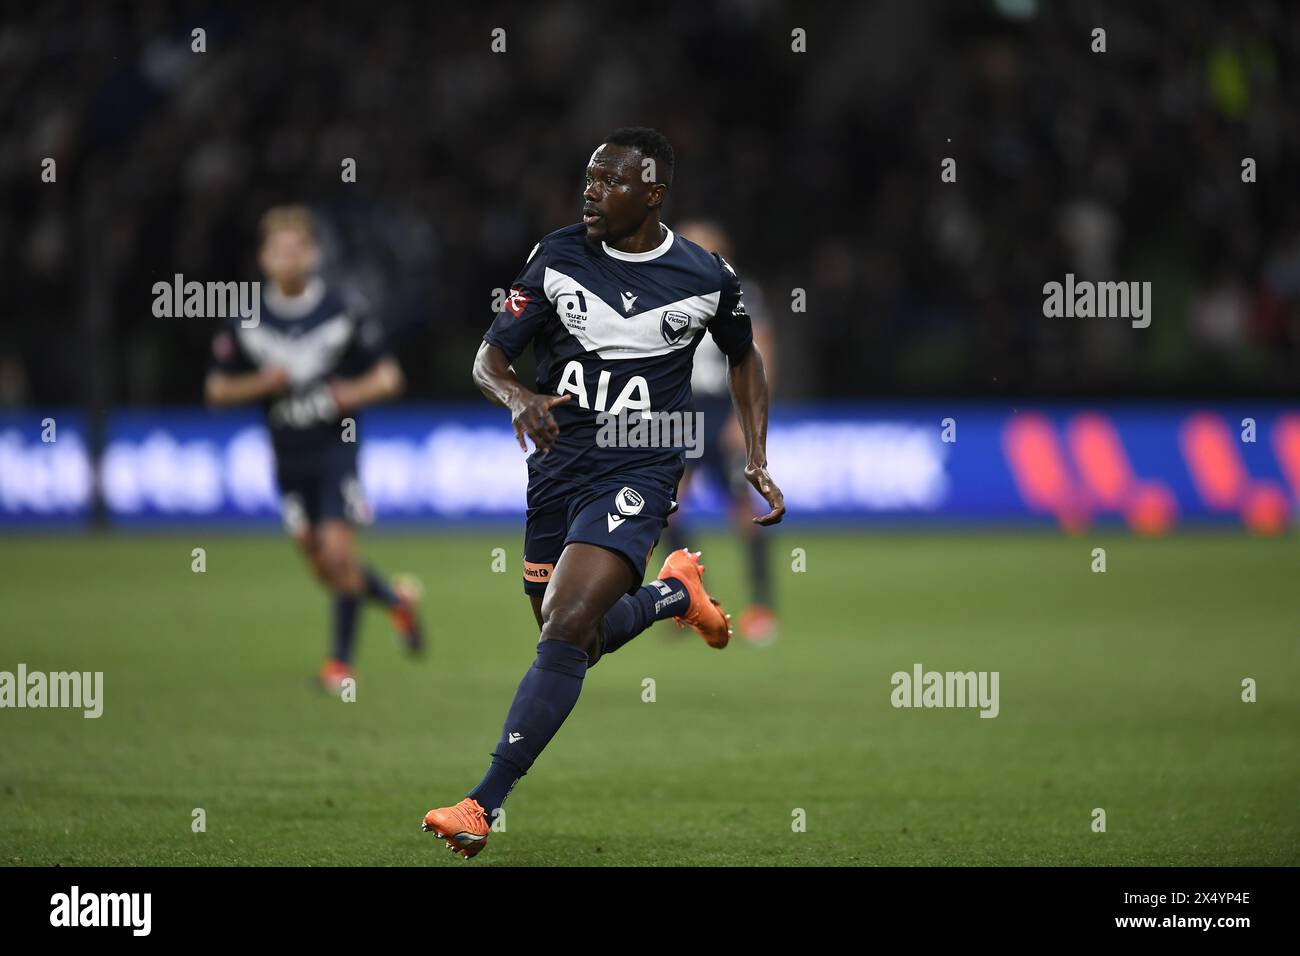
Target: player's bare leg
(758,622)
(336,544)
(337,667)
(331,551)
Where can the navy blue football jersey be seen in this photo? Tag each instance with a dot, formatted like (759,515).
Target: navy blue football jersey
(617,331)
(315,337)
(709,379)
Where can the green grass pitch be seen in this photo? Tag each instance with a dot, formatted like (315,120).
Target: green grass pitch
(1119,691)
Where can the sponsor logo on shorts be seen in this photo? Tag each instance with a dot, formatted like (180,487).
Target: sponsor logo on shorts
(355,506)
(294,513)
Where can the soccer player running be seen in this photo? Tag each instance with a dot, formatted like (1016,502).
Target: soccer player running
(312,361)
(614,308)
(723,447)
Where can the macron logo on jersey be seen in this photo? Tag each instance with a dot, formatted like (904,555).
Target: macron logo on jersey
(517,302)
(629,300)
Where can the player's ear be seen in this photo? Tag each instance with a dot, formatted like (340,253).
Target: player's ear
(658,193)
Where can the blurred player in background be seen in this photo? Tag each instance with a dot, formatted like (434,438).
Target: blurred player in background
(723,449)
(312,362)
(614,308)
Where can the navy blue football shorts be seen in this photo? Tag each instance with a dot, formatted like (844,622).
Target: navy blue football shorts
(624,514)
(325,490)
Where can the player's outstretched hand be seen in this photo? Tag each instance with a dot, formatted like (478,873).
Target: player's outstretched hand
(758,477)
(532,416)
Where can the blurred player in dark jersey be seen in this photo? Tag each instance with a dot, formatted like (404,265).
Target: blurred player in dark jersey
(614,308)
(723,458)
(312,362)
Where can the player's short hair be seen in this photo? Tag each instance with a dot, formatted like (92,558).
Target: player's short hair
(651,144)
(287,217)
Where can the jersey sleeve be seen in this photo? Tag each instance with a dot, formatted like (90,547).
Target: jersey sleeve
(525,308)
(730,327)
(369,344)
(227,354)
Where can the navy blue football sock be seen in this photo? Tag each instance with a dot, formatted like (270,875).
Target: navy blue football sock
(633,613)
(495,786)
(377,588)
(345,626)
(544,699)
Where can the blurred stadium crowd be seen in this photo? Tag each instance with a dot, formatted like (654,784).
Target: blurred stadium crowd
(824,165)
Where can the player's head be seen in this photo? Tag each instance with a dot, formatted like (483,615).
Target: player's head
(627,181)
(289,252)
(708,235)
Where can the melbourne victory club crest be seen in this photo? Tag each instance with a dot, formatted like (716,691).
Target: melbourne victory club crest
(673,325)
(628,503)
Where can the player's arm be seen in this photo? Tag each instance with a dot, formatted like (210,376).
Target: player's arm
(530,413)
(765,342)
(382,383)
(236,388)
(747,380)
(512,330)
(234,378)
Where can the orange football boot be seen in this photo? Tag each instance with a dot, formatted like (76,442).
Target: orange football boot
(758,625)
(464,827)
(705,614)
(332,675)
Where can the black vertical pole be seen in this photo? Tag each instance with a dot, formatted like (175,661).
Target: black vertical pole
(96,323)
